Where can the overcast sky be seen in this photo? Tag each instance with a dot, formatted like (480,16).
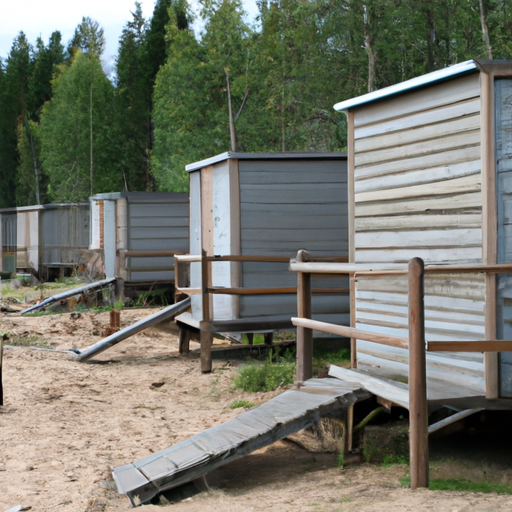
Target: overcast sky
(42,17)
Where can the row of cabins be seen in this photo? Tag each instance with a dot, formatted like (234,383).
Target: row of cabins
(428,174)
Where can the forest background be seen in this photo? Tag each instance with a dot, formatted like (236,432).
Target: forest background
(68,131)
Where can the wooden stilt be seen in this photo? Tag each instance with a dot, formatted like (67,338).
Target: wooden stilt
(184,340)
(304,335)
(418,409)
(268,337)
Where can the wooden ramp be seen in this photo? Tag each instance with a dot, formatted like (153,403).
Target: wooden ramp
(289,412)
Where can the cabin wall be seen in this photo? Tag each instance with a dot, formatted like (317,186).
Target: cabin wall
(417,192)
(64,235)
(287,205)
(154,222)
(8,242)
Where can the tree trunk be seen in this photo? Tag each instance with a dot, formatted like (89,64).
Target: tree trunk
(36,165)
(368,46)
(232,133)
(485,30)
(90,142)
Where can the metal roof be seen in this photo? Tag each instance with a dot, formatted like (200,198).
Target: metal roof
(261,156)
(414,83)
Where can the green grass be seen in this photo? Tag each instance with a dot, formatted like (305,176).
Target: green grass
(461,484)
(266,376)
(246,404)
(392,460)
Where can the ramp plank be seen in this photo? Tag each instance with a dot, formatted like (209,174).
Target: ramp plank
(289,412)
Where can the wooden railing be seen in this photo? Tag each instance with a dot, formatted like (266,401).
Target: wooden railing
(415,343)
(123,254)
(206,290)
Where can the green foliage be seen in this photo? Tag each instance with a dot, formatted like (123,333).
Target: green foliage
(462,484)
(340,459)
(266,376)
(392,459)
(78,135)
(246,404)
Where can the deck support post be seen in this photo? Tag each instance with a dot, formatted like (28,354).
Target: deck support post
(304,335)
(205,325)
(418,409)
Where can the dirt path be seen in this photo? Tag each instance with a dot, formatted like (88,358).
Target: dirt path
(65,425)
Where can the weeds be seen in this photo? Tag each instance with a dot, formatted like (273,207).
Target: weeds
(267,376)
(454,484)
(237,404)
(392,460)
(24,341)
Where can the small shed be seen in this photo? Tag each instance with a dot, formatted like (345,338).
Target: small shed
(262,208)
(430,176)
(138,233)
(51,238)
(8,240)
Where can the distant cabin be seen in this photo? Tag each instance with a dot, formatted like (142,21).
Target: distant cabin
(138,233)
(266,205)
(430,175)
(44,240)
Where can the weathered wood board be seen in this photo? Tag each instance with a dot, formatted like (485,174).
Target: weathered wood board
(289,412)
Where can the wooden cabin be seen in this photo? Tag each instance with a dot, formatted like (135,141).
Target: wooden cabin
(430,176)
(258,209)
(51,238)
(138,233)
(8,241)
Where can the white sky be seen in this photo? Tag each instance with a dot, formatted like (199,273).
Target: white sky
(42,17)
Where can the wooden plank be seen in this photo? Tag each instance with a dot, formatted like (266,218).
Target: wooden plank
(350,186)
(418,177)
(396,392)
(422,100)
(431,204)
(423,148)
(460,185)
(435,115)
(449,157)
(349,332)
(404,222)
(470,346)
(428,131)
(285,414)
(448,255)
(489,223)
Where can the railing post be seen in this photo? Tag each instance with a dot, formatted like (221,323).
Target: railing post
(205,325)
(418,409)
(304,335)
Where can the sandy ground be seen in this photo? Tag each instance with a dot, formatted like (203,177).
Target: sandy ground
(65,425)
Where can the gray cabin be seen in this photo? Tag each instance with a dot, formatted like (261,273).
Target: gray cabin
(138,233)
(430,175)
(51,238)
(264,207)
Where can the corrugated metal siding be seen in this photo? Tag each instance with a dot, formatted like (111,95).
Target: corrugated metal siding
(503,95)
(8,242)
(156,222)
(417,187)
(64,234)
(286,206)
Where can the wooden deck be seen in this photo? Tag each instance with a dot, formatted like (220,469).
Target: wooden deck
(289,412)
(439,392)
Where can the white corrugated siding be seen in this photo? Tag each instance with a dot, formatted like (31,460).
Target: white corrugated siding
(417,185)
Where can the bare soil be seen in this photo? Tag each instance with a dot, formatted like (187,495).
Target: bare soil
(64,425)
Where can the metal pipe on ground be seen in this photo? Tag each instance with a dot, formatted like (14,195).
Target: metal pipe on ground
(166,314)
(69,293)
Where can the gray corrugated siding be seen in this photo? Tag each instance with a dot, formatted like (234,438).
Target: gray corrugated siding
(503,95)
(156,222)
(64,234)
(418,193)
(286,206)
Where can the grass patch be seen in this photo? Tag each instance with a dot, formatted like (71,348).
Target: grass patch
(25,341)
(246,404)
(461,484)
(322,359)
(266,376)
(392,459)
